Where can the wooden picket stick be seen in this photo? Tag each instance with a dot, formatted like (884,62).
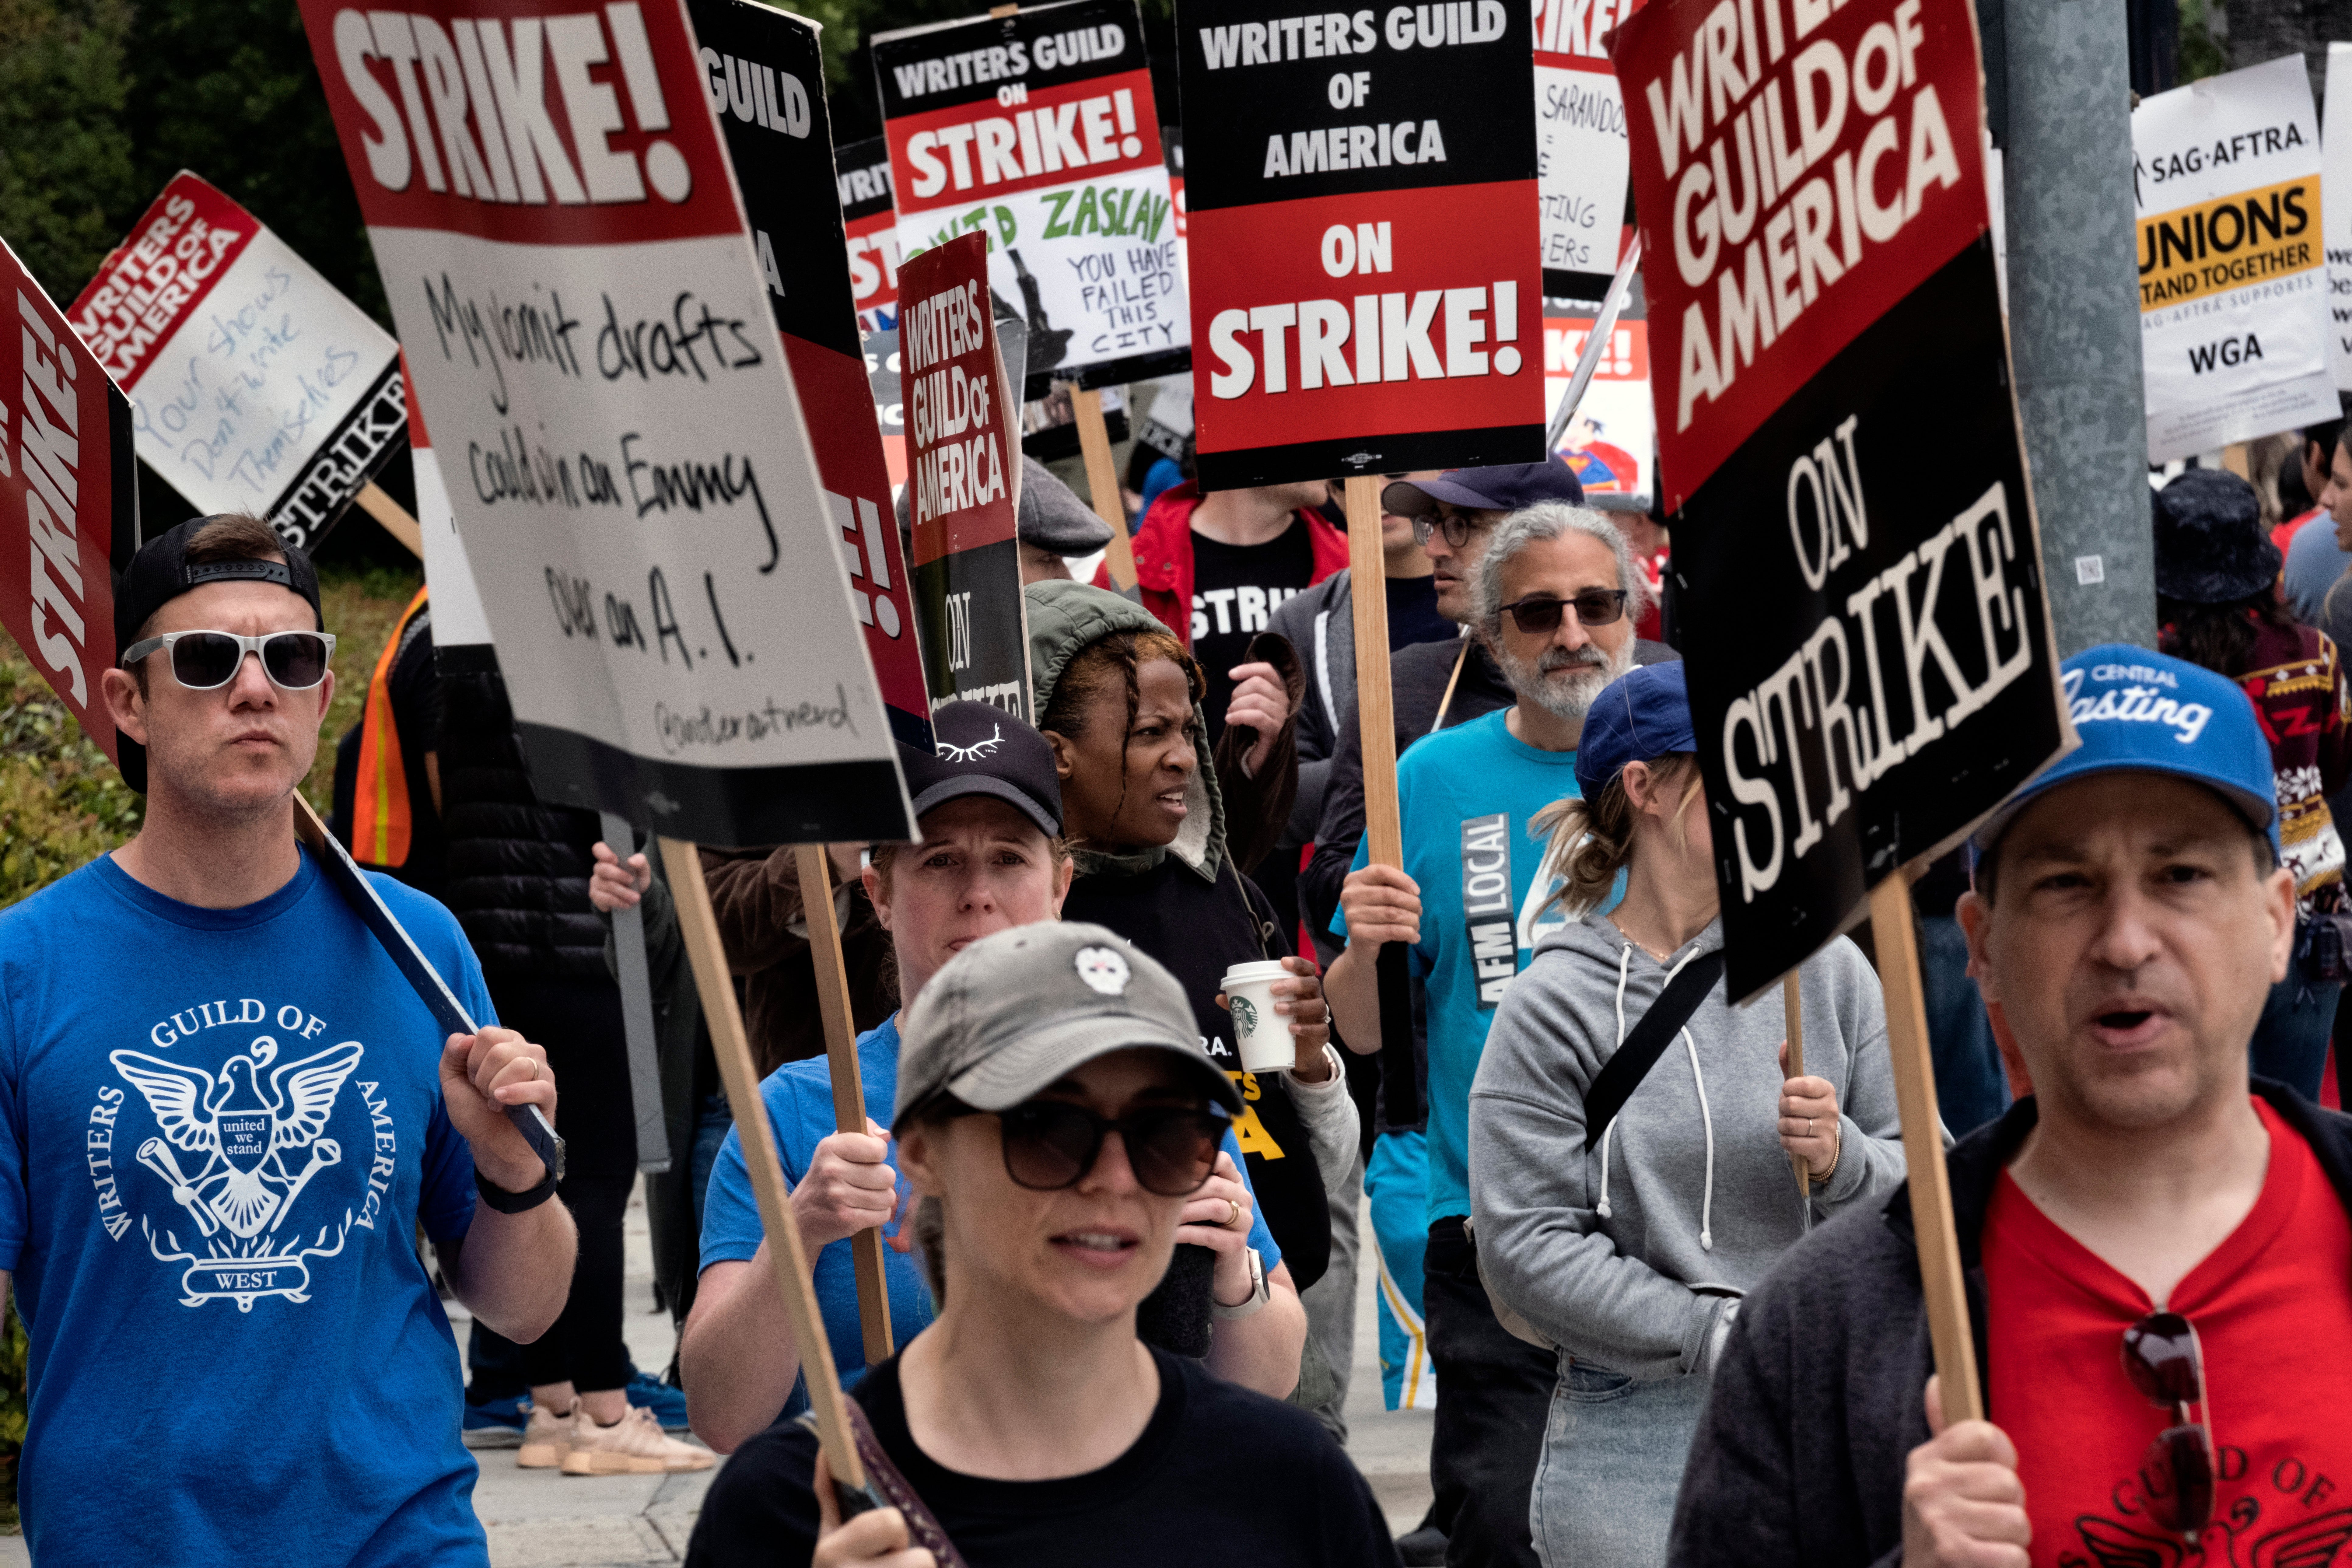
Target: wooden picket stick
(394,516)
(699,928)
(1102,478)
(848,1088)
(1923,1149)
(1375,710)
(1792,1009)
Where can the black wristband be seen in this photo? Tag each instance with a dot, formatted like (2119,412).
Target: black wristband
(505,1201)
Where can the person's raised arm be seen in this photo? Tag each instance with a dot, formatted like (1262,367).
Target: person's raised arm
(1261,1350)
(513,1271)
(738,1357)
(1381,904)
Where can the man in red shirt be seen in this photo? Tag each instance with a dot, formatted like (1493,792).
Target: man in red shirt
(2158,1251)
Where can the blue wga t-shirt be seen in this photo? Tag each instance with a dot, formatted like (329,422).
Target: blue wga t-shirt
(219,1129)
(1464,797)
(798,1097)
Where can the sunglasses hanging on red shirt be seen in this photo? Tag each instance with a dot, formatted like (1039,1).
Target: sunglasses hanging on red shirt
(2165,1362)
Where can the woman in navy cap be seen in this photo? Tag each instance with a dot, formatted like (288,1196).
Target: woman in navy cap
(1626,1240)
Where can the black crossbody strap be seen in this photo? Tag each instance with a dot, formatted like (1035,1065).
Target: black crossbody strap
(1623,1073)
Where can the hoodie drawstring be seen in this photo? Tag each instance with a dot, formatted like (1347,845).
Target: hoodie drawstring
(1707,1117)
(1706,1209)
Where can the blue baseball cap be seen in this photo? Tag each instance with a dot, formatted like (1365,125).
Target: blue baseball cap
(1503,489)
(1638,718)
(2140,711)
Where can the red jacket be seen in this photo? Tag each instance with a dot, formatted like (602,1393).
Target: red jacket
(1163,556)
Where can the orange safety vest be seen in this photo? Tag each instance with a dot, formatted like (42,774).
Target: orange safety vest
(380,812)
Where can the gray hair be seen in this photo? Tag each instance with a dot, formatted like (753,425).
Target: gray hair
(1550,519)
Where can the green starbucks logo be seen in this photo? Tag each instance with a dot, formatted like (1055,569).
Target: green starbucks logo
(1244,1016)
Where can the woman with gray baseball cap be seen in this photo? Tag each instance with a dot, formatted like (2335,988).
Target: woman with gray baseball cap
(1056,1113)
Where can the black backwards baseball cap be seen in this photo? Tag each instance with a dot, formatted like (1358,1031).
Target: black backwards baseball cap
(982,749)
(1503,489)
(160,573)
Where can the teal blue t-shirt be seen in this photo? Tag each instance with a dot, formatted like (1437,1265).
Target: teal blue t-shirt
(1464,797)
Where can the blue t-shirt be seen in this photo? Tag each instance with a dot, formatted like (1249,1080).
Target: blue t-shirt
(1464,797)
(798,1097)
(219,1129)
(2313,565)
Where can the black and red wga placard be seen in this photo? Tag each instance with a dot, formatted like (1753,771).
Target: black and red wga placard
(1859,572)
(1362,230)
(863,170)
(779,139)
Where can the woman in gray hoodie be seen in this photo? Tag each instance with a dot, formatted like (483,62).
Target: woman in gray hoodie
(1630,1255)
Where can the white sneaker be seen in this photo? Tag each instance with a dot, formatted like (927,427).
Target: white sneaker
(633,1446)
(546,1440)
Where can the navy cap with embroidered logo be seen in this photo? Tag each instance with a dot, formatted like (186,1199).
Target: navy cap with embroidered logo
(1019,1010)
(2140,711)
(1505,488)
(981,750)
(161,572)
(1642,715)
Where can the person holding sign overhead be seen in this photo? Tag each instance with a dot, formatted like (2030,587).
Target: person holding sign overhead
(224,1116)
(1058,1117)
(2149,1226)
(1617,1060)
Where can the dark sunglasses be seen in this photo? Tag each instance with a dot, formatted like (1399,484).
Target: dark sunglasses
(1540,614)
(1050,1144)
(2165,1362)
(201,661)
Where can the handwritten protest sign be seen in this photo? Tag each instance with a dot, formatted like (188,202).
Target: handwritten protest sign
(863,169)
(1580,146)
(1854,543)
(255,386)
(1038,130)
(69,512)
(1612,439)
(461,622)
(965,462)
(1362,200)
(2232,286)
(569,264)
(785,167)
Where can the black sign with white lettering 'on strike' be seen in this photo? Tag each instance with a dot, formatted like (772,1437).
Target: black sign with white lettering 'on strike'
(1869,648)
(1361,224)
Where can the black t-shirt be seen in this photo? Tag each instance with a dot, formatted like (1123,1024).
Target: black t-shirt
(1234,588)
(1413,613)
(1221,1476)
(1198,932)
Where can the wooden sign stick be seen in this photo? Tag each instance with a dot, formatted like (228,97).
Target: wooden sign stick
(394,516)
(1102,478)
(1923,1149)
(1792,1008)
(848,1087)
(1375,711)
(728,1044)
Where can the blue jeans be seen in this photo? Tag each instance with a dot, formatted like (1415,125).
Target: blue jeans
(1612,1461)
(2291,1041)
(711,1121)
(1971,1088)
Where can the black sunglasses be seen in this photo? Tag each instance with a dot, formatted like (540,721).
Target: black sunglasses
(2162,1357)
(201,661)
(1540,614)
(1050,1144)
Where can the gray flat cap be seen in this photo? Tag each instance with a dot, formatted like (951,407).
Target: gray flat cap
(1054,518)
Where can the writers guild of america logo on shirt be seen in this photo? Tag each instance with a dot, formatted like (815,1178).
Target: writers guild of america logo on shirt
(236,1149)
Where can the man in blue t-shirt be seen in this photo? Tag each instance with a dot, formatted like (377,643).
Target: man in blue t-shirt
(989,806)
(1556,596)
(223,1115)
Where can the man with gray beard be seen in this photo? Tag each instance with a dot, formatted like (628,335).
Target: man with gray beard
(1555,598)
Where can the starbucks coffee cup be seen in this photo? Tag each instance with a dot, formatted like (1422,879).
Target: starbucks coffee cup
(1260,1034)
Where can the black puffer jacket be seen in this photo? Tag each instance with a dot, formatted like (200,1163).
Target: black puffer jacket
(518,870)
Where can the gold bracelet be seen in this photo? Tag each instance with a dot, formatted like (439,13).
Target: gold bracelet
(1837,1152)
